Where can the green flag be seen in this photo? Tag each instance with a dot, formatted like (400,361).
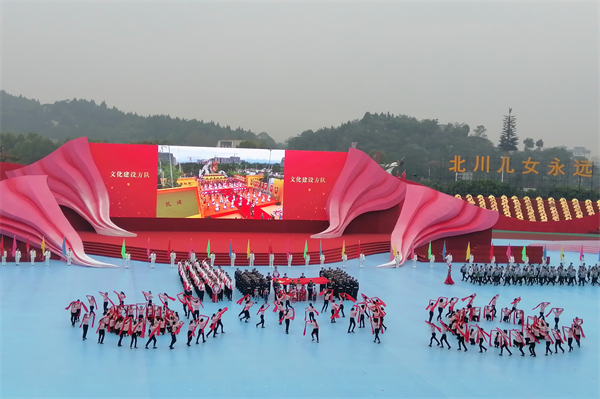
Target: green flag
(429,252)
(524,253)
(123,252)
(305,248)
(208,248)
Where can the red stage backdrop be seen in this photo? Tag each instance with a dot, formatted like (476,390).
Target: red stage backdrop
(308,179)
(130,173)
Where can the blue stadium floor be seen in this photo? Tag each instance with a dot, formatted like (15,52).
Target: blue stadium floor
(43,356)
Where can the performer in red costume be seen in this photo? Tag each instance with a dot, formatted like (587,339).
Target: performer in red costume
(433,329)
(335,311)
(85,323)
(542,307)
(261,312)
(101,331)
(92,302)
(315,332)
(246,311)
(470,298)
(449,280)
(557,312)
(202,323)
(288,316)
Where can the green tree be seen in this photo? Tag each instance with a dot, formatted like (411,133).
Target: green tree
(247,144)
(529,143)
(539,144)
(480,131)
(508,137)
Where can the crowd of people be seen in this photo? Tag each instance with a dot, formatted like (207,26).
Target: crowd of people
(519,332)
(340,282)
(136,320)
(530,274)
(253,283)
(201,277)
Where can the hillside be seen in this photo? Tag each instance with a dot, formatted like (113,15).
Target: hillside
(77,118)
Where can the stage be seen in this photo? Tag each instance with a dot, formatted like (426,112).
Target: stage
(183,241)
(43,356)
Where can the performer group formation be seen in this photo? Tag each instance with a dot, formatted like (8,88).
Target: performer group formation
(200,279)
(517,330)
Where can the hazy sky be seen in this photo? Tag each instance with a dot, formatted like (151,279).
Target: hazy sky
(287,67)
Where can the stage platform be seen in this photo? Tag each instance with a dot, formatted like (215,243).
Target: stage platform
(42,356)
(183,241)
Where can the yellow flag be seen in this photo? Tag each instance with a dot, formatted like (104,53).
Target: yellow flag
(43,245)
(561,253)
(248,250)
(395,251)
(343,247)
(469,250)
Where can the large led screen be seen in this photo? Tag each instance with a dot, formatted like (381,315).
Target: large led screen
(219,183)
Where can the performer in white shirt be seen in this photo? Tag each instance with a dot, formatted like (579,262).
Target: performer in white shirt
(322,260)
(493,260)
(511,260)
(289,259)
(32,255)
(307,260)
(17,256)
(271,260)
(127,260)
(192,257)
(47,256)
(415,258)
(471,259)
(398,258)
(69,256)
(449,259)
(431,261)
(152,259)
(251,259)
(232,257)
(4,255)
(361,260)
(172,256)
(212,259)
(344,259)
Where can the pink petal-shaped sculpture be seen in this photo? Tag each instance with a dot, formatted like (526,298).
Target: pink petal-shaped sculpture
(362,186)
(75,182)
(30,211)
(428,215)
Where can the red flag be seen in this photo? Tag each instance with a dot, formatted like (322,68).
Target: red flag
(2,244)
(148,248)
(359,251)
(190,249)
(492,253)
(508,252)
(27,245)
(270,247)
(14,246)
(169,248)
(392,255)
(403,175)
(581,253)
(412,251)
(287,249)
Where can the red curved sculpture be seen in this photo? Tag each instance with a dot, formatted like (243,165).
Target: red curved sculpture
(426,214)
(361,187)
(429,215)
(29,211)
(75,182)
